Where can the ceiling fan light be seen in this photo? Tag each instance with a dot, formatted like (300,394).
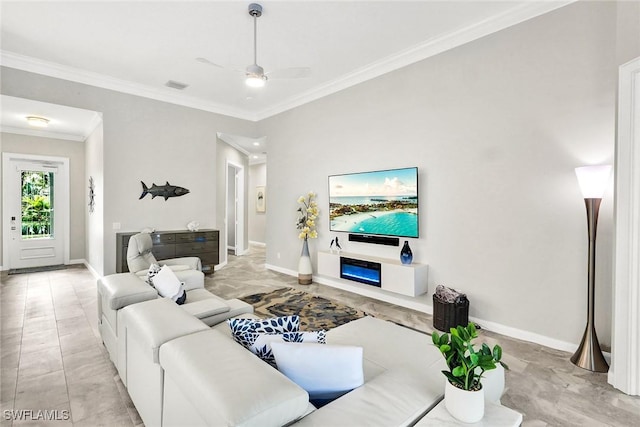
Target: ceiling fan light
(255,81)
(36,121)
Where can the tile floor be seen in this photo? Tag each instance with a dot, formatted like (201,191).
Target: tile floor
(53,359)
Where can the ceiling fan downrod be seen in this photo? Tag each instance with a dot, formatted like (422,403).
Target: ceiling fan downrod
(255,73)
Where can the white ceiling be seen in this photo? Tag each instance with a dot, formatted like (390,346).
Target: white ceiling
(68,123)
(137,46)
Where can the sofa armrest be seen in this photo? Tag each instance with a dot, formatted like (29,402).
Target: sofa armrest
(226,384)
(121,290)
(193,262)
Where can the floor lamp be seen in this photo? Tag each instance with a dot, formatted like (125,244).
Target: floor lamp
(593,182)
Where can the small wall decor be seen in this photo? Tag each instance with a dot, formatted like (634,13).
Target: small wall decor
(92,195)
(261,195)
(165,191)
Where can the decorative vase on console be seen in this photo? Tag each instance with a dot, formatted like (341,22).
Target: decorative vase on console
(307,214)
(305,269)
(406,256)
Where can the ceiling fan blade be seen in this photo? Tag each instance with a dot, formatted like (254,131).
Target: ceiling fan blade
(290,73)
(207,62)
(213,64)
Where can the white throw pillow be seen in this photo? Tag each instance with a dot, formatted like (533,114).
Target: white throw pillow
(260,344)
(166,282)
(324,371)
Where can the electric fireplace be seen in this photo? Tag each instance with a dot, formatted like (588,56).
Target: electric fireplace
(362,271)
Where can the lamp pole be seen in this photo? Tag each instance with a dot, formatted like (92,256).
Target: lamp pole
(593,180)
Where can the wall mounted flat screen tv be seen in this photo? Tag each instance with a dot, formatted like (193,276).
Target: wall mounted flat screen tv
(377,203)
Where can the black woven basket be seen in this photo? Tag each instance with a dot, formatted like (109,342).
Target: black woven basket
(447,315)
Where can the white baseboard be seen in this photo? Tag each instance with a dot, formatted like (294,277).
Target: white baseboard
(219,266)
(261,244)
(77,261)
(424,304)
(282,270)
(92,270)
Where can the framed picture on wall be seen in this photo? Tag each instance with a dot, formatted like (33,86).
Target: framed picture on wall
(261,196)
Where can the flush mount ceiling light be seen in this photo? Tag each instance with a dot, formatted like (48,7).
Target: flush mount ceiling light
(37,121)
(255,76)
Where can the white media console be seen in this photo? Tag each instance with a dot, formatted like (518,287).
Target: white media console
(405,279)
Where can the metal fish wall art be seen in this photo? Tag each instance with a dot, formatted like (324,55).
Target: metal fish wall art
(165,191)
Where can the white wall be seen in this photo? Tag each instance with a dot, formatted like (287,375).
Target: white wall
(144,140)
(94,147)
(496,128)
(75,152)
(257,220)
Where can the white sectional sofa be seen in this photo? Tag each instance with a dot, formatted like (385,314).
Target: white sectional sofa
(179,371)
(207,379)
(210,380)
(119,291)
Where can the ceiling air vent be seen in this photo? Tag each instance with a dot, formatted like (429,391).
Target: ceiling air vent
(176,85)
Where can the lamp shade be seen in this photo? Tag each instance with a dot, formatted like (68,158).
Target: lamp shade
(593,180)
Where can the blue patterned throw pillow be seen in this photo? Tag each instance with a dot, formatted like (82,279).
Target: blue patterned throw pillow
(275,325)
(257,334)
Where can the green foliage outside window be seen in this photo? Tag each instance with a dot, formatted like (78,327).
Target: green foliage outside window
(37,209)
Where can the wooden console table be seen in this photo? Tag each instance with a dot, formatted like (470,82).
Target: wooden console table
(203,244)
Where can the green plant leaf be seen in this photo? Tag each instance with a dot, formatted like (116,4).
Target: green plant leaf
(454,332)
(444,339)
(474,359)
(445,348)
(497,353)
(435,339)
(471,327)
(457,343)
(458,371)
(485,349)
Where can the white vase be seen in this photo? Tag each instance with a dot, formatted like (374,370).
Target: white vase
(463,405)
(305,270)
(493,384)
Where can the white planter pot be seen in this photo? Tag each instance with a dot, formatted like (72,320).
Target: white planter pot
(493,384)
(463,405)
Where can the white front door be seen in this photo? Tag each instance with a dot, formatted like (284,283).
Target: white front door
(35,210)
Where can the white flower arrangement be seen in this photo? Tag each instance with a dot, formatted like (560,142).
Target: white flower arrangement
(308,213)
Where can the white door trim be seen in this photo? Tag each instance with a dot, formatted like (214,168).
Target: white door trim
(62,200)
(240,207)
(624,373)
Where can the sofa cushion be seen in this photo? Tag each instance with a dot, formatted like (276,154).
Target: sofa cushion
(205,307)
(324,371)
(260,344)
(121,290)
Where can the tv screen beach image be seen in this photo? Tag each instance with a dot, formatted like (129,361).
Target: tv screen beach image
(380,202)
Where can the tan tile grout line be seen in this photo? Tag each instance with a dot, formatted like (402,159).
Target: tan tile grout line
(55,315)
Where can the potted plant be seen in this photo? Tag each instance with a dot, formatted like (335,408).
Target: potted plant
(464,396)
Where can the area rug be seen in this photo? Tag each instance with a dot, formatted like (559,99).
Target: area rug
(315,312)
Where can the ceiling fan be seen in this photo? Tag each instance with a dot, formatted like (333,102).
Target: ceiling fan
(254,73)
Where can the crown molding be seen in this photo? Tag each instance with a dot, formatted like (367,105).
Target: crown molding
(516,15)
(432,47)
(43,133)
(52,69)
